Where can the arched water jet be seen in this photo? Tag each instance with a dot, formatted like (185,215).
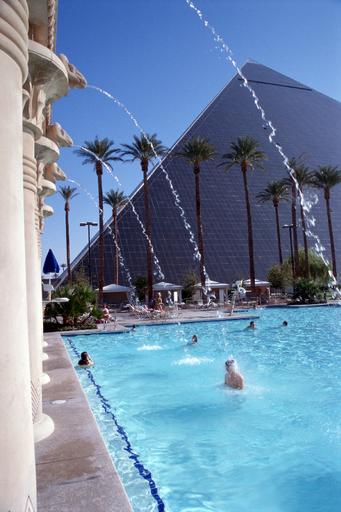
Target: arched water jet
(119,252)
(310,221)
(109,171)
(176,196)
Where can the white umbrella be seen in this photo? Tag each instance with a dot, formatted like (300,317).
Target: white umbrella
(162,286)
(116,288)
(212,284)
(258,282)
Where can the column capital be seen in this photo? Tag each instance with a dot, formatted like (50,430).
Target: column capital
(14,32)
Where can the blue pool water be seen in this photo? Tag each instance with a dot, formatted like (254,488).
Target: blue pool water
(182,440)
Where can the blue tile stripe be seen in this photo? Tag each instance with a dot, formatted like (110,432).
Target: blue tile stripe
(143,471)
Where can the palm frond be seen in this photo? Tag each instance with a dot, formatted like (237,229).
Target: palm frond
(114,198)
(144,148)
(326,177)
(68,192)
(275,191)
(196,150)
(244,152)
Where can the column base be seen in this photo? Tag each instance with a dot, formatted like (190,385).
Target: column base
(45,379)
(43,428)
(44,356)
(45,344)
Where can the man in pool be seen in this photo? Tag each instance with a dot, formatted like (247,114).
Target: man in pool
(194,339)
(233,379)
(285,324)
(252,325)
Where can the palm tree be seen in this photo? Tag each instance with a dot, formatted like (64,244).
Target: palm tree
(304,178)
(196,151)
(275,191)
(245,154)
(325,178)
(67,194)
(115,199)
(97,153)
(145,148)
(294,164)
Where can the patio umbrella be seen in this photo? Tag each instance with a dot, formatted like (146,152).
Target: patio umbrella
(50,267)
(50,264)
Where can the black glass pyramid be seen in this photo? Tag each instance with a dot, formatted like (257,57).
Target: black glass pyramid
(307,122)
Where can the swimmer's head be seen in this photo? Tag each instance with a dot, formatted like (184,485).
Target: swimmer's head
(194,338)
(229,363)
(285,323)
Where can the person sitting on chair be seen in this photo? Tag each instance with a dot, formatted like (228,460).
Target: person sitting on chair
(106,313)
(159,303)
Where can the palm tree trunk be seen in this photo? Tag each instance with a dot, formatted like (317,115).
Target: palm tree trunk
(279,242)
(116,270)
(147,223)
(331,234)
(67,229)
(199,226)
(99,172)
(249,230)
(294,228)
(305,241)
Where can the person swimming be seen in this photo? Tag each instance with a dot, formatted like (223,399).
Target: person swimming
(252,325)
(233,379)
(194,338)
(85,360)
(285,323)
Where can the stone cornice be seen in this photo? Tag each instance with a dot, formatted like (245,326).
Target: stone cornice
(13,32)
(47,70)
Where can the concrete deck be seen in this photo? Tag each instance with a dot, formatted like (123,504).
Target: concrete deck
(74,469)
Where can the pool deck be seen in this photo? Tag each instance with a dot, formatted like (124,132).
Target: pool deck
(74,469)
(124,321)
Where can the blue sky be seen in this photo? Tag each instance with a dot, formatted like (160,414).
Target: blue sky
(156,57)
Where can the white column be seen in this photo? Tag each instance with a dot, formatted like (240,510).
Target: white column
(43,425)
(17,464)
(221,296)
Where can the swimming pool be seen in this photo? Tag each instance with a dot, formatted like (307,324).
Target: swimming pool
(183,442)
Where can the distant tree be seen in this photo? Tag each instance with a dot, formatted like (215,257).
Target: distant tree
(140,283)
(281,276)
(115,199)
(67,194)
(99,152)
(189,281)
(145,149)
(294,163)
(304,178)
(278,277)
(196,151)
(245,154)
(325,178)
(275,192)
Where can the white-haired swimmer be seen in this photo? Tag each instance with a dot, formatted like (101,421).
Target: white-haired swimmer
(233,379)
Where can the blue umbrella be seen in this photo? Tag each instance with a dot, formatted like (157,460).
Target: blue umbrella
(50,264)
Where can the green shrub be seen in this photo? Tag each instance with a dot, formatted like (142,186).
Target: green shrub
(307,290)
(281,277)
(79,310)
